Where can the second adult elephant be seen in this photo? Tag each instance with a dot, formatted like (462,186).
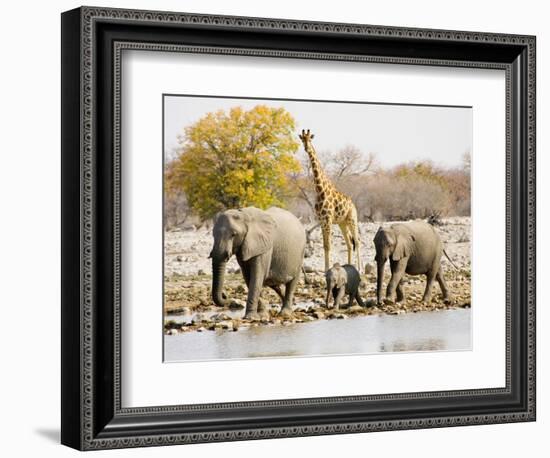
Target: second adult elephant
(269,246)
(414,248)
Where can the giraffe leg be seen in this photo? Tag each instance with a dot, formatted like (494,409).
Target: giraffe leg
(353,228)
(326,228)
(347,238)
(357,239)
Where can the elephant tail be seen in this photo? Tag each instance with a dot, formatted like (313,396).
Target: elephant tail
(353,243)
(450,260)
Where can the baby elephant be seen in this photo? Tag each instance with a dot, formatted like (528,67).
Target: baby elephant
(343,280)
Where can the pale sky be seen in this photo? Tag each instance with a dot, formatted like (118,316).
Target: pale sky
(395,133)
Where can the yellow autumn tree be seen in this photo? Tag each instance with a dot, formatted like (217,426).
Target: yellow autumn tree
(235,158)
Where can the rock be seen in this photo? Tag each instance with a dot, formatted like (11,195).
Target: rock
(198,318)
(308,269)
(172,332)
(355,309)
(201,272)
(236,304)
(318,314)
(179,259)
(337,316)
(201,329)
(220,317)
(369,269)
(227,324)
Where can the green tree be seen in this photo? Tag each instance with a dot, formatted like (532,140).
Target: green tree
(235,159)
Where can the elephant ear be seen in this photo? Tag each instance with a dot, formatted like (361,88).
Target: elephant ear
(342,277)
(259,235)
(403,246)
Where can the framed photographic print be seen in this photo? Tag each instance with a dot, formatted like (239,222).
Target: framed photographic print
(276,228)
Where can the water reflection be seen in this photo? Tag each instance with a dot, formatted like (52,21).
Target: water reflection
(423,331)
(421,345)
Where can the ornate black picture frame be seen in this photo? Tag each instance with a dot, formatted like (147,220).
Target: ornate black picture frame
(92,415)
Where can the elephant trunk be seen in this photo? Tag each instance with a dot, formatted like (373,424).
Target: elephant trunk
(218,275)
(339,296)
(380,279)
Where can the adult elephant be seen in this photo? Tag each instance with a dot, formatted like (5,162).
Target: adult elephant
(269,246)
(414,248)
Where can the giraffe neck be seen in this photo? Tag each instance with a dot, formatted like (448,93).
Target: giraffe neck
(319,177)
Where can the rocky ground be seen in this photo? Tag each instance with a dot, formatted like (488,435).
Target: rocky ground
(188,281)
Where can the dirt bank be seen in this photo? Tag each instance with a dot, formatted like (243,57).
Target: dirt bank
(188,280)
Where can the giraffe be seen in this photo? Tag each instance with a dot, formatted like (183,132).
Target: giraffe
(332,207)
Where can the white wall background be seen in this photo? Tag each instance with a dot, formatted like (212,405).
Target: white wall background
(30,240)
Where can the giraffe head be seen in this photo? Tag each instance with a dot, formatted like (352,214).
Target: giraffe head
(306,136)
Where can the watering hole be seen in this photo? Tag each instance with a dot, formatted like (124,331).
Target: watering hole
(444,330)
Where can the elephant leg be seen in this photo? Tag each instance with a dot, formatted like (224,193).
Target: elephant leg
(398,270)
(277,289)
(290,287)
(400,293)
(339,296)
(359,300)
(326,229)
(255,283)
(443,286)
(350,301)
(263,309)
(264,314)
(379,280)
(430,278)
(327,299)
(347,238)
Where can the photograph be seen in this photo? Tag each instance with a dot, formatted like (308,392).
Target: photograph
(286,223)
(303,228)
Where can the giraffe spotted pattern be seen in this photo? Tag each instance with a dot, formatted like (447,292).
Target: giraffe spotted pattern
(332,207)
